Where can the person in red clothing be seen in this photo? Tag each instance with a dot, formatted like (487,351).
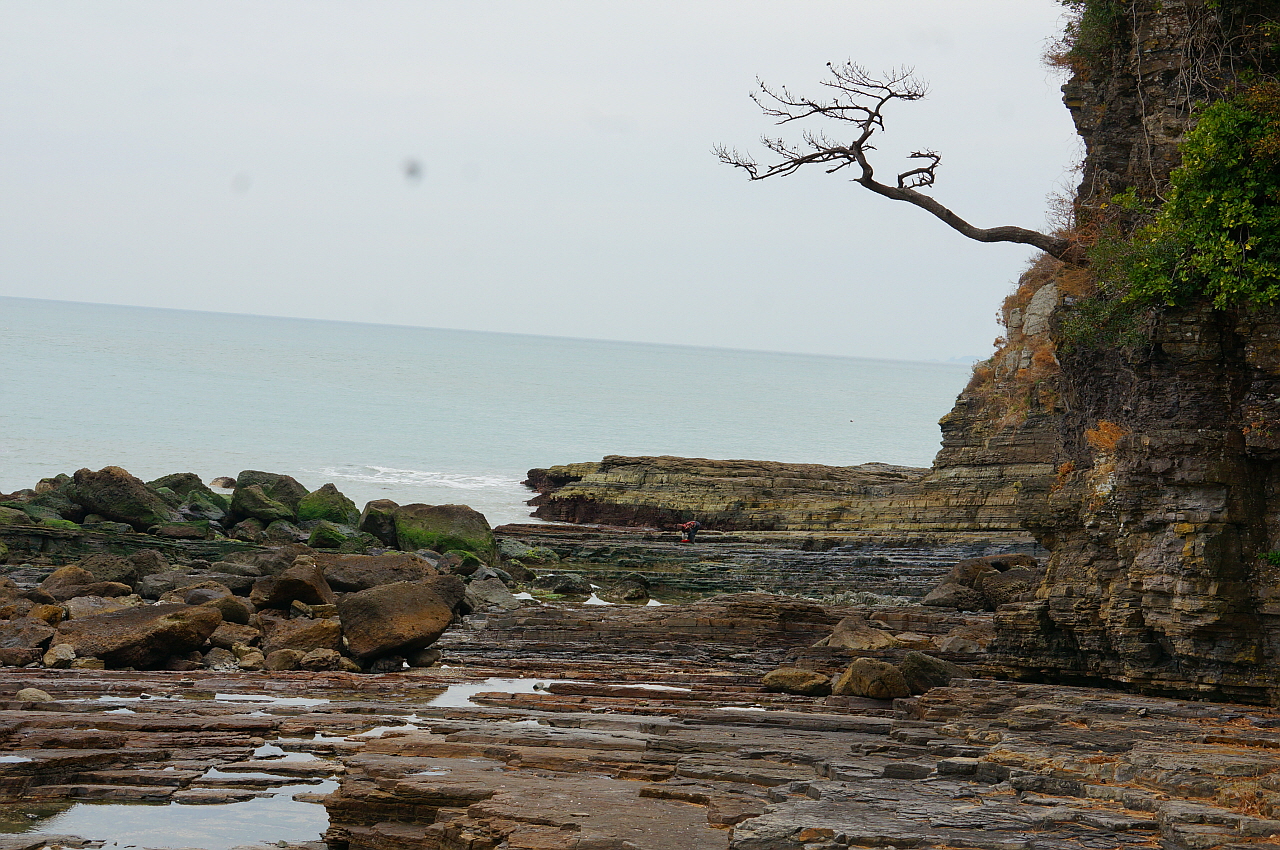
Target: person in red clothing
(688,530)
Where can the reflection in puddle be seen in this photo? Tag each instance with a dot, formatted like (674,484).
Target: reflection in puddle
(379,731)
(268,819)
(302,702)
(459,696)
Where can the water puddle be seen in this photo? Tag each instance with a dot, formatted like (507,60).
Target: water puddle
(273,818)
(275,753)
(459,696)
(299,702)
(223,778)
(379,731)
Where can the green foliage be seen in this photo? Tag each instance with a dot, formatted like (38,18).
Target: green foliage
(1102,321)
(1272,557)
(1218,233)
(1089,35)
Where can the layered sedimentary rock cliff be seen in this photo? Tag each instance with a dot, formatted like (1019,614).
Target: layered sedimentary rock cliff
(871,500)
(1166,499)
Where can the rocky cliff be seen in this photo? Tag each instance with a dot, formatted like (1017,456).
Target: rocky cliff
(1165,504)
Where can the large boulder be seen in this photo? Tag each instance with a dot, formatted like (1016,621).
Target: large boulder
(490,594)
(13,516)
(252,501)
(924,672)
(400,617)
(867,677)
(1016,584)
(328,503)
(66,578)
(444,527)
(352,573)
(104,567)
(113,493)
(378,519)
(984,584)
(144,637)
(952,595)
(192,498)
(284,489)
(330,535)
(304,581)
(792,680)
(564,584)
(854,633)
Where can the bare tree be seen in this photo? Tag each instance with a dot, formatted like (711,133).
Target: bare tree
(860,99)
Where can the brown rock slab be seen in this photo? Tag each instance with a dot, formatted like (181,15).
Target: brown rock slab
(143,637)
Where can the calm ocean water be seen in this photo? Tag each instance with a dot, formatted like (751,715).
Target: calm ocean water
(419,414)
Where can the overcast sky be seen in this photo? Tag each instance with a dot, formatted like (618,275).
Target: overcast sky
(250,157)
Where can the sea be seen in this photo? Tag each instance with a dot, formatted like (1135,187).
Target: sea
(422,414)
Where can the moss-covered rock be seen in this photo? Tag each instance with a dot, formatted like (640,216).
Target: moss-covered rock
(378,519)
(284,489)
(207,506)
(282,531)
(13,516)
(190,530)
(252,500)
(115,494)
(443,528)
(249,530)
(329,504)
(188,484)
(327,535)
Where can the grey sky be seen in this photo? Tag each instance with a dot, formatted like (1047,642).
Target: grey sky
(250,157)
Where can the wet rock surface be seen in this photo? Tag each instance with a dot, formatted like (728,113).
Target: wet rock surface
(649,755)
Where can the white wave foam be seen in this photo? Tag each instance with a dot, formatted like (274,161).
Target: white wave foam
(412,477)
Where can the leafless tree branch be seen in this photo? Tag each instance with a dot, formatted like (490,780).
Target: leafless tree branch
(859,99)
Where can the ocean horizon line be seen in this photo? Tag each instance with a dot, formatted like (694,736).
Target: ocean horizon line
(965,362)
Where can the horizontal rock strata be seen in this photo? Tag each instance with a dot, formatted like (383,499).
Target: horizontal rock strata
(651,755)
(875,500)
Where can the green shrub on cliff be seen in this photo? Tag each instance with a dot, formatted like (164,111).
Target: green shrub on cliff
(1218,232)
